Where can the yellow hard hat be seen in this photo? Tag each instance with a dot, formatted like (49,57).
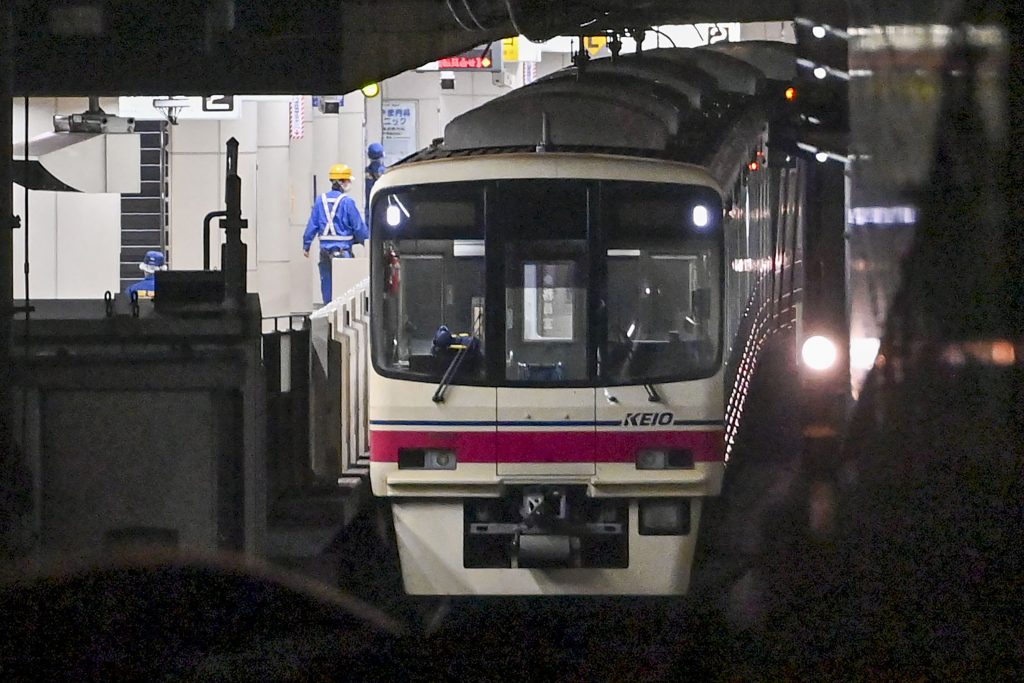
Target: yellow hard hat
(340,172)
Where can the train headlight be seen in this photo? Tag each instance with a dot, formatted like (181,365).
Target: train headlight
(819,353)
(426,459)
(439,460)
(701,216)
(664,459)
(393,216)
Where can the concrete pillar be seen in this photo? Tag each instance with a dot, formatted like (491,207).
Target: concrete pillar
(197,188)
(301,171)
(372,119)
(272,208)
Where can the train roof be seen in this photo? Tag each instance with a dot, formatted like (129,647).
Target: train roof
(700,106)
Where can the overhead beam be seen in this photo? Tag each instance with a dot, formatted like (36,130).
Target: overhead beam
(133,47)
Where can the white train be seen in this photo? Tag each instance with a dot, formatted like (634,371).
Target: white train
(567,297)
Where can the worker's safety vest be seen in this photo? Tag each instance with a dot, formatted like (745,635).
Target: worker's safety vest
(330,233)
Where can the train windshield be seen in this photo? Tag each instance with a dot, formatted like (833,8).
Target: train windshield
(547,282)
(432,267)
(663,282)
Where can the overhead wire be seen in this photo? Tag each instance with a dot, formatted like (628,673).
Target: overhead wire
(516,22)
(469,11)
(456,17)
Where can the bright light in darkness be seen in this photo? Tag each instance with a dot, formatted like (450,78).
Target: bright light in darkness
(818,32)
(393,216)
(819,353)
(863,351)
(821,156)
(820,73)
(701,216)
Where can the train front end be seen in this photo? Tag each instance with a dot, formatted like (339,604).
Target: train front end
(546,395)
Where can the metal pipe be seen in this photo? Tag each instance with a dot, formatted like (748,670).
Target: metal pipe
(206,235)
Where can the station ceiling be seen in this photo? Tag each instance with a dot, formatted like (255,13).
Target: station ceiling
(197,47)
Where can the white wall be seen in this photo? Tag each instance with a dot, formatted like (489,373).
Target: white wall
(436,107)
(768,30)
(74,238)
(278,176)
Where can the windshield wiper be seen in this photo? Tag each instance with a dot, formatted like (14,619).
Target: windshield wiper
(652,394)
(450,372)
(466,344)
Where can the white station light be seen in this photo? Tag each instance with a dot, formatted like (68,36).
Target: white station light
(819,353)
(822,157)
(701,216)
(820,73)
(393,216)
(819,31)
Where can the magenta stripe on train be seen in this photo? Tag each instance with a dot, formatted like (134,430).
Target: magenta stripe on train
(548,446)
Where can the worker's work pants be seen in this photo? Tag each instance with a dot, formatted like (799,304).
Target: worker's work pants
(326,257)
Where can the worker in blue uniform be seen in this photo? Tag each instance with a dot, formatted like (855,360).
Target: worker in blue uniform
(375,169)
(336,222)
(146,287)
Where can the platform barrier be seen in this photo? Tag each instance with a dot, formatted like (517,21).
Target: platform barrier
(347,368)
(286,360)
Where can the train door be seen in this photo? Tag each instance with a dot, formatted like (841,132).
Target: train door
(545,408)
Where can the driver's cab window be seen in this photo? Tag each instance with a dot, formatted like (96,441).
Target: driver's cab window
(432,280)
(546,278)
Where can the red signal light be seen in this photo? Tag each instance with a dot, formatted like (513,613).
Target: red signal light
(790,94)
(754,166)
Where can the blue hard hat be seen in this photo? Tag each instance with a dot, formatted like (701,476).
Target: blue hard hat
(375,150)
(442,338)
(152,262)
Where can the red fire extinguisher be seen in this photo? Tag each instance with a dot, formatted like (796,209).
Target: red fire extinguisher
(394,274)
